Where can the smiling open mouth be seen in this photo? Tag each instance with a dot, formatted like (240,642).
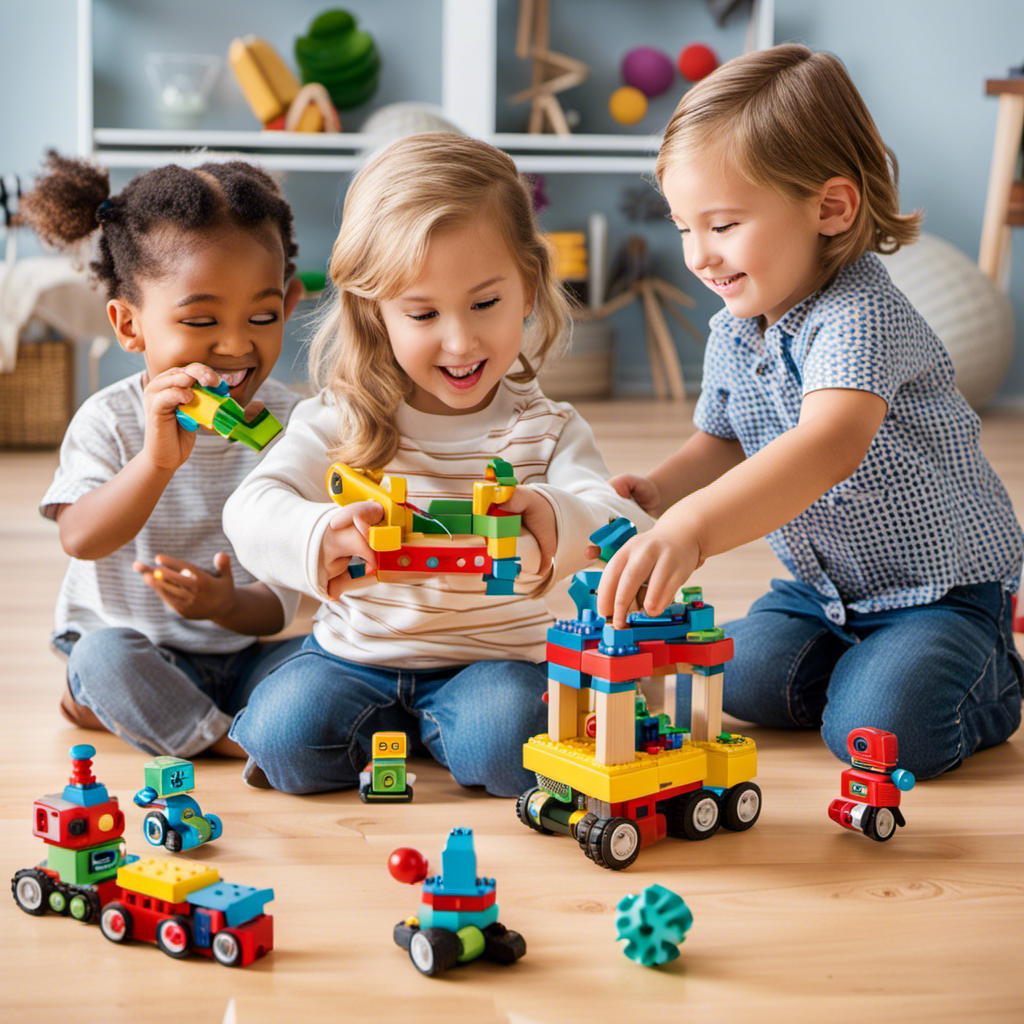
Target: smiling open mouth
(463,376)
(235,378)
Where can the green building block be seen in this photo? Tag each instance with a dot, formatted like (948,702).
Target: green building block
(497,527)
(169,775)
(88,865)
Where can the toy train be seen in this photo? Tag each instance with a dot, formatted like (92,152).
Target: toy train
(181,906)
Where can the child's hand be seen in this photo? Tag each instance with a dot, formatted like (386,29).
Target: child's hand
(643,490)
(664,563)
(192,592)
(168,445)
(538,519)
(346,538)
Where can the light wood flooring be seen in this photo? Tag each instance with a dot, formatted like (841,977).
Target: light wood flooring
(796,920)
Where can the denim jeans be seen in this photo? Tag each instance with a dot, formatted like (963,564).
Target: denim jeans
(159,699)
(944,677)
(308,724)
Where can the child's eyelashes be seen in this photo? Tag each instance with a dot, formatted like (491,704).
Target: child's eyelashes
(720,229)
(257,320)
(432,314)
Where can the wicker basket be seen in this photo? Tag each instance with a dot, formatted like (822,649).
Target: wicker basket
(37,397)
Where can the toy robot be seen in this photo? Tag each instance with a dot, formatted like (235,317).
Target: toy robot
(871,789)
(384,779)
(176,821)
(458,916)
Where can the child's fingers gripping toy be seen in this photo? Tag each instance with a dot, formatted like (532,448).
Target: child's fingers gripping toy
(458,916)
(617,778)
(480,538)
(871,788)
(215,409)
(175,821)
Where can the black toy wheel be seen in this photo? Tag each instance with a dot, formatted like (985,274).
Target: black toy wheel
(84,904)
(879,824)
(172,841)
(583,829)
(173,936)
(116,922)
(227,949)
(59,898)
(523,813)
(502,946)
(614,843)
(433,950)
(403,933)
(155,828)
(694,815)
(742,807)
(31,889)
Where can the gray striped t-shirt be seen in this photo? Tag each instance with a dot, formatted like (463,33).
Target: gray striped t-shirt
(104,435)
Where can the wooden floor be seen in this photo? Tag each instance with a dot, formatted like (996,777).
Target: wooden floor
(796,920)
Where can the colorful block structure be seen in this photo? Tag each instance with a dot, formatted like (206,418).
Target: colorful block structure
(611,775)
(479,537)
(83,829)
(175,821)
(384,780)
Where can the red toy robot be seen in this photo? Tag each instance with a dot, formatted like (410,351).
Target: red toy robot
(871,790)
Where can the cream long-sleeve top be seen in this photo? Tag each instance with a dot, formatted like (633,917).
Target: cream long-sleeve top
(277,518)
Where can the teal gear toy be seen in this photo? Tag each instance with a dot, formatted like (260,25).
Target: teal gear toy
(653,924)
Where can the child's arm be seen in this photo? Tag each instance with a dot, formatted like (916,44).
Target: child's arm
(110,515)
(755,497)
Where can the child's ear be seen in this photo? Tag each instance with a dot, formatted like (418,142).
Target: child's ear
(838,203)
(530,300)
(124,319)
(295,291)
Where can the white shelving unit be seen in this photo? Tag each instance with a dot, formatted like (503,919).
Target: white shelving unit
(468,100)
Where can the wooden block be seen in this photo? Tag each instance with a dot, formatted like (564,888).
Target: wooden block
(616,727)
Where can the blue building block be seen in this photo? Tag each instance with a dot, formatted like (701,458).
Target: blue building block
(583,590)
(569,676)
(611,537)
(239,903)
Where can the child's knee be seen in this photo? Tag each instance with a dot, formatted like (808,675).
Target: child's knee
(105,661)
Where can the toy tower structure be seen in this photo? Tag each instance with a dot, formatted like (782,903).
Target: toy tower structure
(617,778)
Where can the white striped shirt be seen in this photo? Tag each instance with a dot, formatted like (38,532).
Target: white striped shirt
(104,435)
(278,517)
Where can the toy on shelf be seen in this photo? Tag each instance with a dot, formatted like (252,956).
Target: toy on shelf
(871,789)
(83,829)
(653,925)
(186,907)
(697,61)
(384,780)
(274,93)
(458,917)
(647,72)
(176,820)
(551,72)
(215,409)
(340,57)
(616,778)
(480,538)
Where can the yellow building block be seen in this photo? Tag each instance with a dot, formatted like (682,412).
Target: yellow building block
(730,763)
(356,486)
(385,538)
(572,762)
(265,79)
(166,879)
(502,547)
(202,407)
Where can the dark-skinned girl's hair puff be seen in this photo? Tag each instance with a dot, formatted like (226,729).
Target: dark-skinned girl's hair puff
(72,199)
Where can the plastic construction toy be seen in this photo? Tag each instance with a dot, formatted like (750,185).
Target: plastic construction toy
(458,918)
(480,539)
(871,789)
(176,821)
(215,409)
(616,778)
(384,779)
(83,829)
(653,925)
(185,907)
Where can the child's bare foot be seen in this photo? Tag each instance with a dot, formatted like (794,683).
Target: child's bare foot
(79,714)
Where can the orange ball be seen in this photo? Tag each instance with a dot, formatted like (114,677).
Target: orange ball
(627,105)
(697,61)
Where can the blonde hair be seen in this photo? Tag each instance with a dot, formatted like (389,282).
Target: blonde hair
(413,189)
(790,119)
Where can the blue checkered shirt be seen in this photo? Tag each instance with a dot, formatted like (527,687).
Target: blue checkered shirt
(924,512)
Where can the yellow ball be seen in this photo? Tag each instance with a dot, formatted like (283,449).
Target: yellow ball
(627,105)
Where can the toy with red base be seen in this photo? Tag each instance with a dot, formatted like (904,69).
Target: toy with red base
(458,916)
(83,829)
(616,778)
(871,789)
(175,820)
(480,538)
(185,907)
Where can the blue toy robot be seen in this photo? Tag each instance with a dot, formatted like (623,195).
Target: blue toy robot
(176,821)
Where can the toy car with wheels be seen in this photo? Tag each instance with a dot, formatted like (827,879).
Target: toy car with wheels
(175,820)
(434,950)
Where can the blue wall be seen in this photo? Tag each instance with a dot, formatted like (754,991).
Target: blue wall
(921,65)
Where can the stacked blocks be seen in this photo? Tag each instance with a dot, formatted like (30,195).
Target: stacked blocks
(215,409)
(176,820)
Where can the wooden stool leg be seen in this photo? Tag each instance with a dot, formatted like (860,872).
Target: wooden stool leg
(995,235)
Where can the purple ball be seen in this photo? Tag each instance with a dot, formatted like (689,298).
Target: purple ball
(648,70)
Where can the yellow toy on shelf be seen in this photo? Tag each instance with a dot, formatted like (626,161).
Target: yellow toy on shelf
(617,778)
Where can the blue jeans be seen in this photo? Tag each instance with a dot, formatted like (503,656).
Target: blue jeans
(163,700)
(944,677)
(308,724)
